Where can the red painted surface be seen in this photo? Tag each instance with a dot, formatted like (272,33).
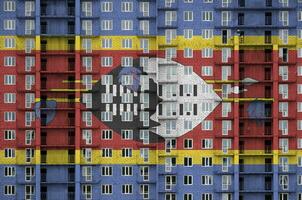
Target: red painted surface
(57,70)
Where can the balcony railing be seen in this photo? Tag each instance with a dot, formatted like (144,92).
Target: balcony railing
(268,167)
(71,158)
(43,177)
(71,195)
(43,195)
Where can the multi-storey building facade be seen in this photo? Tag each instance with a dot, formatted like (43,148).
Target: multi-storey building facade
(151,99)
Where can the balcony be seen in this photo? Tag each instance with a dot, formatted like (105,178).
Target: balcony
(43,195)
(71,195)
(71,159)
(268,168)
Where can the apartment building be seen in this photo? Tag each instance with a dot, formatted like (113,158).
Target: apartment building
(151,99)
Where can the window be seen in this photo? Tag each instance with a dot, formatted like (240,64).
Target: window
(29,8)
(226,145)
(107,134)
(188,15)
(127,61)
(9,153)
(87,118)
(299,106)
(207,71)
(144,191)
(127,7)
(106,43)
(29,136)
(127,43)
(144,172)
(207,33)
(299,15)
(29,118)
(106,6)
(226,108)
(207,125)
(226,182)
(283,17)
(106,152)
(29,63)
(188,33)
(9,24)
(188,143)
(9,6)
(87,191)
(299,181)
(226,53)
(87,8)
(126,25)
(87,26)
(144,8)
(126,189)
(106,61)
(144,136)
(207,16)
(106,25)
(226,126)
(206,180)
(188,53)
(87,173)
(29,173)
(283,196)
(106,189)
(299,143)
(9,61)
(206,161)
(188,161)
(9,190)
(207,144)
(225,18)
(9,43)
(126,152)
(284,181)
(127,134)
(283,90)
(29,81)
(126,171)
(170,17)
(9,116)
(9,134)
(9,97)
(87,136)
(106,171)
(299,70)
(188,180)
(207,53)
(188,70)
(207,196)
(29,27)
(9,171)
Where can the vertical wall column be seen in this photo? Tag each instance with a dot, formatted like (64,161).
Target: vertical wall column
(236,118)
(77,97)
(37,96)
(275,93)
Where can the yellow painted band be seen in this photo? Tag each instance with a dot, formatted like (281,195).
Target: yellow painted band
(252,157)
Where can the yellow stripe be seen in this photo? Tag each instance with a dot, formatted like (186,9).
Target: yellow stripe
(61,100)
(68,90)
(159,43)
(246,99)
(77,81)
(54,157)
